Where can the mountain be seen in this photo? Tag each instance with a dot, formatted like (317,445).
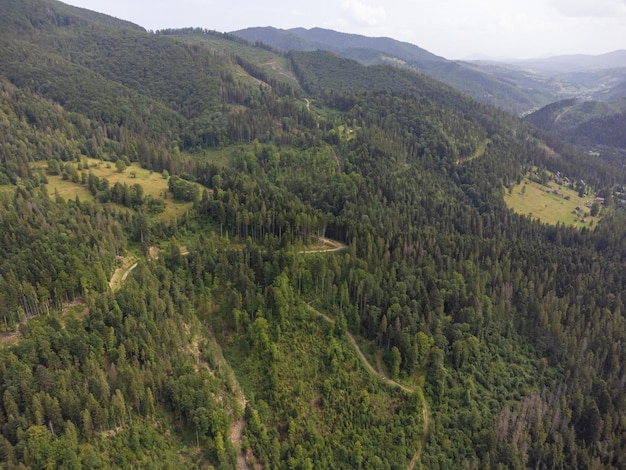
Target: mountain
(215,254)
(487,88)
(517,86)
(595,126)
(576,63)
(585,77)
(347,44)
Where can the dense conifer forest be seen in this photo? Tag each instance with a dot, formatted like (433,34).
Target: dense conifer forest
(328,277)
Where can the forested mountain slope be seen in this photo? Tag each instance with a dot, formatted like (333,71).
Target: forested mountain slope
(593,125)
(212,351)
(484,86)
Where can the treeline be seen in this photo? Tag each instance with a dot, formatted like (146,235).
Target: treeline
(52,252)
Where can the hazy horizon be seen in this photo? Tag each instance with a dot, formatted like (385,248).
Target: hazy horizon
(449,28)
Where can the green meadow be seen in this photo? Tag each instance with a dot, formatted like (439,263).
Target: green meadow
(550,204)
(153,184)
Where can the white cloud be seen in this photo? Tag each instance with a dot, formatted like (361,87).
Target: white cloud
(586,8)
(363,14)
(451,28)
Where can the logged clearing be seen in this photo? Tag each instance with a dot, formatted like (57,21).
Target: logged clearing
(325,245)
(479,152)
(551,204)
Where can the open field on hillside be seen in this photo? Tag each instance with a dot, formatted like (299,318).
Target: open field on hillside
(153,184)
(550,204)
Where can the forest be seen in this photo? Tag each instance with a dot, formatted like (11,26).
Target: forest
(328,276)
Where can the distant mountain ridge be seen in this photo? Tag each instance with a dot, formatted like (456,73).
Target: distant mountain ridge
(586,77)
(576,62)
(593,125)
(465,77)
(338,42)
(516,86)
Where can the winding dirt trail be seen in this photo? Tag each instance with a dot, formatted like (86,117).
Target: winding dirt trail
(235,433)
(373,371)
(326,246)
(418,454)
(336,159)
(120,274)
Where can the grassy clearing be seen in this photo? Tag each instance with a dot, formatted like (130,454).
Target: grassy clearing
(550,204)
(153,184)
(68,190)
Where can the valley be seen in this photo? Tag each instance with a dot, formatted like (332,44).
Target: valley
(217,254)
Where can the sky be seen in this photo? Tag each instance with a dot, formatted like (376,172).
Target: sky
(454,29)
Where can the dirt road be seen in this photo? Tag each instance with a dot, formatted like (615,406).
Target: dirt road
(373,371)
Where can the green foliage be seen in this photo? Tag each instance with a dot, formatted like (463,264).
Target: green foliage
(316,382)
(513,330)
(39,270)
(587,122)
(129,357)
(181,189)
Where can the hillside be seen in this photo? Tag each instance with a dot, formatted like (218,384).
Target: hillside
(584,77)
(213,254)
(518,87)
(595,126)
(484,87)
(578,62)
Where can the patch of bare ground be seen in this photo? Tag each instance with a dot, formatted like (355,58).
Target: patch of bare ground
(418,454)
(9,338)
(121,272)
(326,245)
(235,433)
(112,432)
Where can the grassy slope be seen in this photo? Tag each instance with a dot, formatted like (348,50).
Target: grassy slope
(153,184)
(539,201)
